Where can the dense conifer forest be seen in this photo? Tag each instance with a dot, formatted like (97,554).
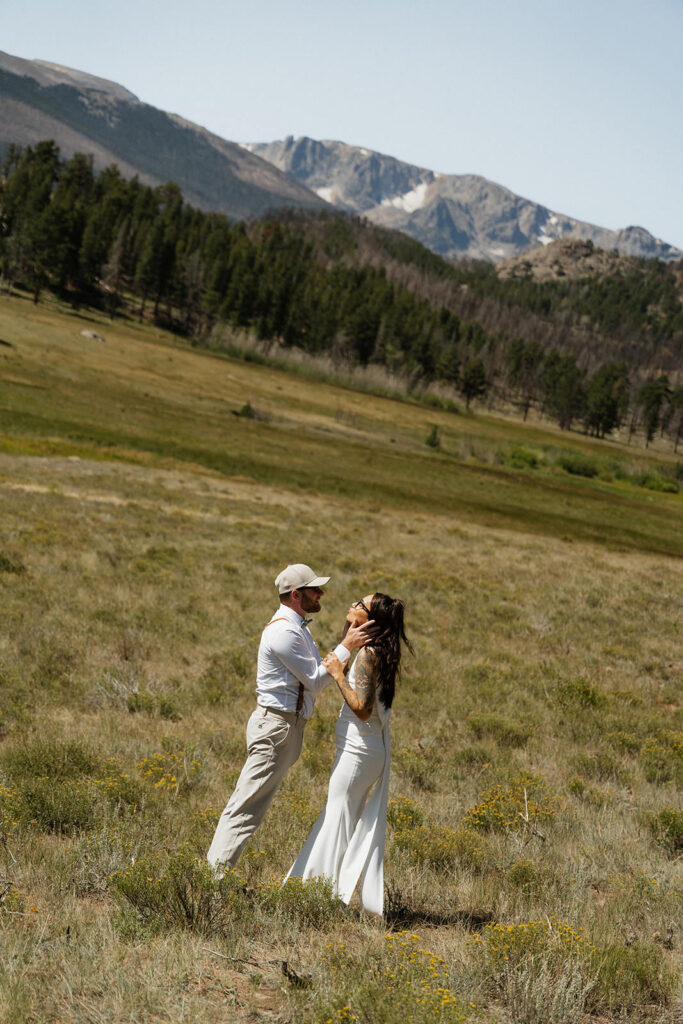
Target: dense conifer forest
(597,352)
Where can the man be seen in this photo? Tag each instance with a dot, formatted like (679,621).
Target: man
(289,676)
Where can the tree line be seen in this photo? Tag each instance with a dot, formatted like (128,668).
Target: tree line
(325,283)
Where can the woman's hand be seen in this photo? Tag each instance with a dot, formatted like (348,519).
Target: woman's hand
(358,636)
(334,666)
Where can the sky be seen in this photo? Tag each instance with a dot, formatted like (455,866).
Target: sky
(575,104)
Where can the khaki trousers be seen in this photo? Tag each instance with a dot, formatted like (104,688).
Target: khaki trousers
(274,742)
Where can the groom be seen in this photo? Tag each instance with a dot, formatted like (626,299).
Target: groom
(289,676)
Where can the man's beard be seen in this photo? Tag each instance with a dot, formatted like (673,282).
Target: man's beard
(310,604)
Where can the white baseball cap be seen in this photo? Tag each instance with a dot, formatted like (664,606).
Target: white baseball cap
(298,576)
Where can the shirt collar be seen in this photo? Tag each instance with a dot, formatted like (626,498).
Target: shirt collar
(284,611)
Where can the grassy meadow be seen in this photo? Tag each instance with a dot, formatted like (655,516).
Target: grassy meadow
(149,494)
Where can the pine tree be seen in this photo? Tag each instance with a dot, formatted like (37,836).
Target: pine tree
(563,388)
(652,398)
(607,398)
(474,382)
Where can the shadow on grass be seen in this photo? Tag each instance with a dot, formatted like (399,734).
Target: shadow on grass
(400,913)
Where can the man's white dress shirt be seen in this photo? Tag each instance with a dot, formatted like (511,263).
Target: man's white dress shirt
(287,656)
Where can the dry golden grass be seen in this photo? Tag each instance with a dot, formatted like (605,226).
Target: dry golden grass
(138,549)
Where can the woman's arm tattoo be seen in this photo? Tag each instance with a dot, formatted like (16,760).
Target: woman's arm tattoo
(362,698)
(365,683)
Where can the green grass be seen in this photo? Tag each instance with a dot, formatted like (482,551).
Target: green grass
(536,735)
(141,395)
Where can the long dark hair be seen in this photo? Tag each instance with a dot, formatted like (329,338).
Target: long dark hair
(388,632)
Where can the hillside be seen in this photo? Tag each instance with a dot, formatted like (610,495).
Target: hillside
(83,113)
(602,351)
(535,735)
(455,215)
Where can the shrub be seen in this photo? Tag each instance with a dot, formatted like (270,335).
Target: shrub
(404,814)
(109,847)
(11,565)
(506,731)
(180,891)
(433,440)
(12,900)
(202,827)
(626,742)
(429,843)
(662,758)
(472,756)
(508,807)
(248,412)
(667,829)
(578,464)
(580,788)
(10,809)
(629,977)
(174,772)
(526,876)
(579,693)
(153,703)
(519,457)
(419,766)
(544,968)
(601,765)
(62,785)
(312,903)
(55,759)
(549,941)
(141,700)
(576,786)
(442,847)
(537,992)
(65,805)
(403,982)
(656,482)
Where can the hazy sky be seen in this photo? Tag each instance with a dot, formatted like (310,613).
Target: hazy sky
(572,103)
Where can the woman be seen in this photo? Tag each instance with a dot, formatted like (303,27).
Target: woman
(347,840)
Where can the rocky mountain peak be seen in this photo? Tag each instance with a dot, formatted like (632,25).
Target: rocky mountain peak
(456,215)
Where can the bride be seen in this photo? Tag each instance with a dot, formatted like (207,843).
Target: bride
(347,840)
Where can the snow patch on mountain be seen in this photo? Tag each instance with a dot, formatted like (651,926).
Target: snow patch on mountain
(409,201)
(550,230)
(328,194)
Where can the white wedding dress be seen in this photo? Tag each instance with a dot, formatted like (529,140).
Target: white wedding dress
(347,840)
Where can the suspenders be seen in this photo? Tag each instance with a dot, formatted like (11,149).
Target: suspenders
(300,697)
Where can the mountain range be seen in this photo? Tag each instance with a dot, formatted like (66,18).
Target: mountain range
(83,113)
(454,215)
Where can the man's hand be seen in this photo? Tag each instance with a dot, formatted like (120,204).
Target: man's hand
(358,636)
(334,666)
